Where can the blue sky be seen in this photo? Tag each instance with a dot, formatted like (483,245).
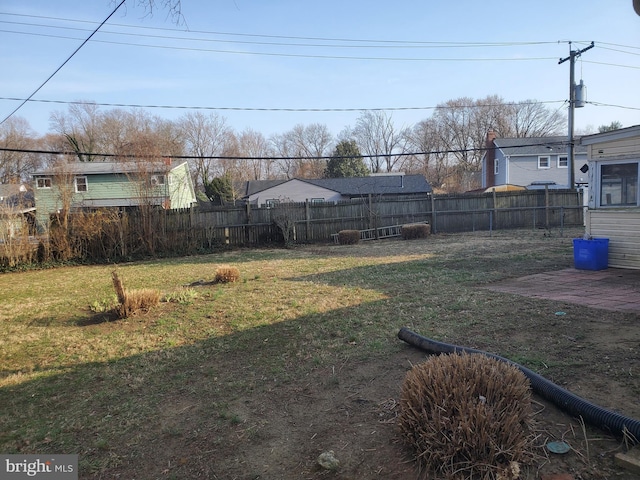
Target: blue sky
(240,56)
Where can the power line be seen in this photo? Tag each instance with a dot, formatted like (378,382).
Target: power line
(292,55)
(353,43)
(599,104)
(610,64)
(325,39)
(297,157)
(256,109)
(63,63)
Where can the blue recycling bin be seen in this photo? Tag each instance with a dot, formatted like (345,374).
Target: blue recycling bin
(592,254)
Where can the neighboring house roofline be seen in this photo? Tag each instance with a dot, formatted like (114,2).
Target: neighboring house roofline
(611,135)
(354,186)
(257,186)
(526,146)
(101,168)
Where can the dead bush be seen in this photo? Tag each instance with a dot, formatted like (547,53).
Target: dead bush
(467,417)
(348,237)
(226,274)
(133,301)
(418,230)
(15,251)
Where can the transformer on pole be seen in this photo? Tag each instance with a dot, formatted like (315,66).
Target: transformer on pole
(573,54)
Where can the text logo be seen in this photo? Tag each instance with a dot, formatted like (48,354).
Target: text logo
(49,467)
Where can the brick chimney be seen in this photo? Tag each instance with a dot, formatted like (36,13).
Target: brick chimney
(490,155)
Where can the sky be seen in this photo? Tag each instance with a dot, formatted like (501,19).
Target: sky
(269,65)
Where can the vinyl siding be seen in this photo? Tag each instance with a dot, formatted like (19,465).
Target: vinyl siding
(294,191)
(181,191)
(622,228)
(615,149)
(523,170)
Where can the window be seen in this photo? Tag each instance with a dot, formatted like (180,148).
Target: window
(496,167)
(543,162)
(81,184)
(272,202)
(317,200)
(563,161)
(43,182)
(157,180)
(619,184)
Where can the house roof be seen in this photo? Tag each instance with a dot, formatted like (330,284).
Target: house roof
(101,168)
(611,135)
(8,190)
(537,145)
(353,186)
(15,195)
(255,186)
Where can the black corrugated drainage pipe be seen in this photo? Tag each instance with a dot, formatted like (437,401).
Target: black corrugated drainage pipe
(594,415)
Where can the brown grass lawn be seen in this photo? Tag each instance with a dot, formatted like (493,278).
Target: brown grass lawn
(254,379)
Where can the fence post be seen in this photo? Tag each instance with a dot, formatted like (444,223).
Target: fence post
(373,221)
(495,207)
(307,217)
(546,206)
(433,214)
(491,223)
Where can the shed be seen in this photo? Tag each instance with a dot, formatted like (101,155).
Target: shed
(614,196)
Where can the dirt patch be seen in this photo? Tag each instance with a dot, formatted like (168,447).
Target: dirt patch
(280,430)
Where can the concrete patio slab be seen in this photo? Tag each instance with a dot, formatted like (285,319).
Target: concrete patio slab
(613,289)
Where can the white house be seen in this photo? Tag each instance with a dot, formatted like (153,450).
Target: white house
(269,192)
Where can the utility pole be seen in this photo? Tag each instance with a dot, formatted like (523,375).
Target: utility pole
(573,54)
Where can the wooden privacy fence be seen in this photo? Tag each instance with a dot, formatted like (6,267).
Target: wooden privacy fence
(317,222)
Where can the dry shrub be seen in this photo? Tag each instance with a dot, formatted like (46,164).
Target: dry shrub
(133,301)
(467,417)
(348,237)
(16,250)
(226,274)
(420,230)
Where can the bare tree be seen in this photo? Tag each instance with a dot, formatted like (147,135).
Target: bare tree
(378,139)
(257,150)
(430,157)
(204,137)
(316,141)
(301,148)
(80,126)
(289,157)
(454,119)
(16,165)
(533,119)
(173,7)
(121,132)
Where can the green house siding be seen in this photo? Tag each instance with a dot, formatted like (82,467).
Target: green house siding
(169,189)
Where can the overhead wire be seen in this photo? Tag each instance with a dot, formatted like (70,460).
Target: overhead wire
(258,109)
(293,55)
(355,43)
(63,63)
(351,43)
(326,39)
(248,158)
